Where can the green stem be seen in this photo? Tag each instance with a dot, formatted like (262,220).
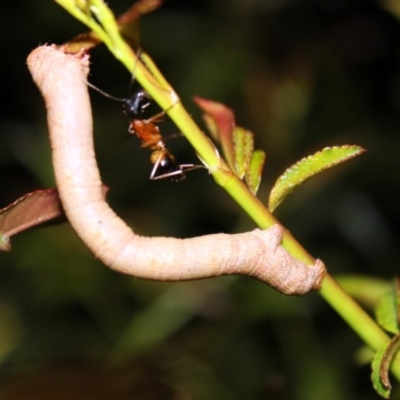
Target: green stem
(358,319)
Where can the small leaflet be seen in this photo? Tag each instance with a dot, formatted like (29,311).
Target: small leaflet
(387,315)
(383,389)
(253,173)
(243,150)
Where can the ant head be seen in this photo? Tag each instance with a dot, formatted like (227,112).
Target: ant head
(136,103)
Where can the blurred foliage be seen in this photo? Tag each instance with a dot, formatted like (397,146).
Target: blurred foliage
(302,76)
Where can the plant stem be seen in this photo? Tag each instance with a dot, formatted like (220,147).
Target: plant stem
(357,318)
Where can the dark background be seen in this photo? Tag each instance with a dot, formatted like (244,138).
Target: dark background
(302,75)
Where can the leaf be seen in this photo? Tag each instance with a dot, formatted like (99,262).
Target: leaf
(222,125)
(387,358)
(365,289)
(243,141)
(33,209)
(212,127)
(307,167)
(387,313)
(388,308)
(377,383)
(253,173)
(30,210)
(137,10)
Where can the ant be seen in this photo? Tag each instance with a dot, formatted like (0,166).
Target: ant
(164,162)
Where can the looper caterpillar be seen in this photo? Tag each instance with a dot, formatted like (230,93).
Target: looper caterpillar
(61,79)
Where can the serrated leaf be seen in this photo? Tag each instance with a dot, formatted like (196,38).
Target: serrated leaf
(254,171)
(387,358)
(307,167)
(243,141)
(388,308)
(224,124)
(377,383)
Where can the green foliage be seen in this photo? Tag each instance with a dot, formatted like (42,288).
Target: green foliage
(380,388)
(254,170)
(387,313)
(308,167)
(387,310)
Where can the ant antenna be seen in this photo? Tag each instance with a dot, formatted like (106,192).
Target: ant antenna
(138,53)
(105,94)
(136,102)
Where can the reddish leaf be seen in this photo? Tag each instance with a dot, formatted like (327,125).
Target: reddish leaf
(237,143)
(223,120)
(138,9)
(30,210)
(33,209)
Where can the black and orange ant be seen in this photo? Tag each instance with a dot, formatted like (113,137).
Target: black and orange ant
(164,162)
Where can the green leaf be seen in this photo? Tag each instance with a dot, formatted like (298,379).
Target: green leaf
(307,167)
(367,290)
(243,141)
(388,308)
(377,383)
(253,173)
(387,313)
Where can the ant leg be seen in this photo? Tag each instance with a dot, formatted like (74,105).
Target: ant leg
(137,58)
(180,176)
(160,117)
(175,169)
(156,165)
(180,172)
(191,167)
(172,136)
(157,118)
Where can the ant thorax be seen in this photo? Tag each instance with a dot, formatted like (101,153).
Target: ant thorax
(147,132)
